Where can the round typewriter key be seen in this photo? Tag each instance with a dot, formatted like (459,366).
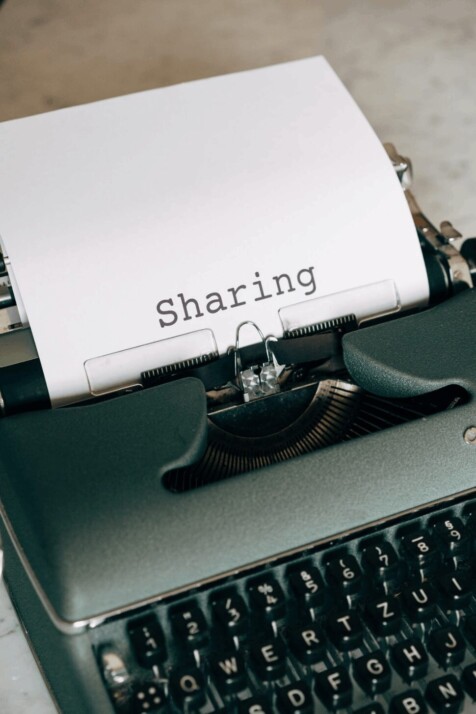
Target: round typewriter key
(267,598)
(307,585)
(452,536)
(148,698)
(383,567)
(190,626)
(381,561)
(296,698)
(373,673)
(334,687)
(344,574)
(384,616)
(345,630)
(420,602)
(421,553)
(410,659)
(447,646)
(231,614)
(456,589)
(409,702)
(187,685)
(228,672)
(445,694)
(147,640)
(307,643)
(269,658)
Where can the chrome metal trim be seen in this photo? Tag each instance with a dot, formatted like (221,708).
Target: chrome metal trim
(79,626)
(445,242)
(401,164)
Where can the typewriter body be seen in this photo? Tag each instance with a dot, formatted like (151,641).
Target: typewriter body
(140,591)
(289,526)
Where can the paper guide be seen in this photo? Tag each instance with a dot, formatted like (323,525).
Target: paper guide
(191,209)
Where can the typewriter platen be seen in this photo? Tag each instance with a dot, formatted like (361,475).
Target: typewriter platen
(300,539)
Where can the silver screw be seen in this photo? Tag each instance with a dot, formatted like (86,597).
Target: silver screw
(470,435)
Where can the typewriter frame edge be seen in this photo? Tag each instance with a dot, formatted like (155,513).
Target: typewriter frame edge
(85,692)
(446,431)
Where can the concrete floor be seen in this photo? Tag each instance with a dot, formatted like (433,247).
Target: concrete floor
(409,64)
(61,52)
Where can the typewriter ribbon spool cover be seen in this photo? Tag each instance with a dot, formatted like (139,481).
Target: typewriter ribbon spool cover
(140,231)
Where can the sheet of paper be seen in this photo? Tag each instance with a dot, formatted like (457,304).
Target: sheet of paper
(193,208)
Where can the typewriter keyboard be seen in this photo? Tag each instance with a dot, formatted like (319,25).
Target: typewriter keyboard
(383,621)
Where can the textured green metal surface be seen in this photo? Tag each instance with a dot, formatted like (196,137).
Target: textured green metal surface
(419,353)
(67,663)
(82,489)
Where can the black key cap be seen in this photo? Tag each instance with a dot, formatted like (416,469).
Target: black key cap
(345,630)
(469,680)
(445,694)
(409,702)
(147,698)
(334,688)
(374,708)
(344,574)
(456,589)
(420,551)
(187,686)
(307,585)
(447,646)
(384,616)
(296,698)
(267,598)
(228,672)
(190,626)
(373,673)
(381,561)
(147,640)
(452,536)
(307,643)
(269,658)
(231,614)
(255,705)
(420,602)
(410,659)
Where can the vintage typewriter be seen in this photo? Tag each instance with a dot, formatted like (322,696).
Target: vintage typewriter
(289,527)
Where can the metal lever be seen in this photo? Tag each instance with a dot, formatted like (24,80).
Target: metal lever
(258,380)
